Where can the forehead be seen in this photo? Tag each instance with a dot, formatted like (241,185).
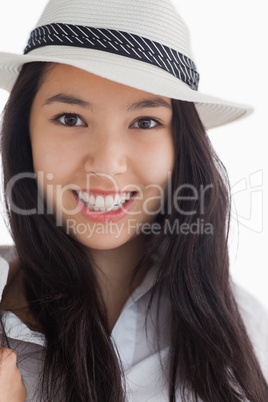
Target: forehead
(62,78)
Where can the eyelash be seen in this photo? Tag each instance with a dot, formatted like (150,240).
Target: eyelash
(58,118)
(146,118)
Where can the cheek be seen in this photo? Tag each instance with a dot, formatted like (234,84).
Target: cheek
(52,157)
(156,162)
(53,167)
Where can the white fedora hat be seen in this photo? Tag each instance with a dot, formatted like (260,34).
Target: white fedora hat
(141,44)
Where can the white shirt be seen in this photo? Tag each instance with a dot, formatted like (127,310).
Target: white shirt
(145,380)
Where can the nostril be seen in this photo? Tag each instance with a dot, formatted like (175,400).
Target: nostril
(110,169)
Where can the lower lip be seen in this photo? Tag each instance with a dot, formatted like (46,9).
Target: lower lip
(109,216)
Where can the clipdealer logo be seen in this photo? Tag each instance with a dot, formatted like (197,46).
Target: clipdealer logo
(247,201)
(132,226)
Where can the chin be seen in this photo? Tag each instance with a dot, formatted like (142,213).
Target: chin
(102,242)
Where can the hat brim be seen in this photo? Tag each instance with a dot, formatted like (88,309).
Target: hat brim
(214,112)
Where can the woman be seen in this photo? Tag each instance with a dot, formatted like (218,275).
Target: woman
(118,287)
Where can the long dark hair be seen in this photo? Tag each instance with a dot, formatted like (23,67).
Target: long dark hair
(210,354)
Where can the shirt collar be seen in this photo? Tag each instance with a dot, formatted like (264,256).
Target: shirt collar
(4,269)
(145,286)
(17,330)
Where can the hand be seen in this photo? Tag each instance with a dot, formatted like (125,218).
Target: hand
(12,388)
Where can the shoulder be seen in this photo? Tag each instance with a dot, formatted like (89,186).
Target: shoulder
(255,317)
(8,253)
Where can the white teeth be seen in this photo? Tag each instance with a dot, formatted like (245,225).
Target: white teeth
(104,204)
(85,197)
(99,201)
(80,195)
(91,200)
(109,201)
(123,198)
(116,199)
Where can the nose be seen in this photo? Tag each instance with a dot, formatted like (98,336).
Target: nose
(106,156)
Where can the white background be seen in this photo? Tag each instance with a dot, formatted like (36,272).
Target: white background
(229,43)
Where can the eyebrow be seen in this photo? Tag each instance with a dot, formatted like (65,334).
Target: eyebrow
(69,99)
(149,103)
(72,100)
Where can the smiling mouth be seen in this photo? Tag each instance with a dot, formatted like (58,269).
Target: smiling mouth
(100,203)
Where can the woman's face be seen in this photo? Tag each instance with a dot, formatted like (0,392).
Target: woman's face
(103,154)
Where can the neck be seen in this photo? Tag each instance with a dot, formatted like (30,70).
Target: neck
(114,269)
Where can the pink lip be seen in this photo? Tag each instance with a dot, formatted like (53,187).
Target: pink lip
(110,216)
(105,192)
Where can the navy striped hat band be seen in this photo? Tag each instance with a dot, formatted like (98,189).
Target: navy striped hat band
(117,42)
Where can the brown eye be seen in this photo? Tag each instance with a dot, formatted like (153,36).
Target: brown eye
(145,123)
(71,120)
